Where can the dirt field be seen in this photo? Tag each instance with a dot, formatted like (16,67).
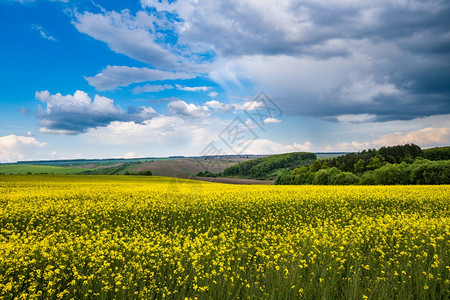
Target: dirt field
(93,166)
(187,167)
(89,166)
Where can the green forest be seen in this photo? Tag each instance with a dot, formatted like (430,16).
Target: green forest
(402,164)
(268,166)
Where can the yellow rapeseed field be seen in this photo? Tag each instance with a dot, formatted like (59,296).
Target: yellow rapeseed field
(125,237)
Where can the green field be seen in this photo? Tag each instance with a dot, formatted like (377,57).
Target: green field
(38,169)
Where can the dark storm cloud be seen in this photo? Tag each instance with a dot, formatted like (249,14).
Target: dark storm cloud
(238,28)
(387,58)
(408,46)
(383,107)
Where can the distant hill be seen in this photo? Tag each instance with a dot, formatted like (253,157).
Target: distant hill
(37,169)
(81,162)
(240,166)
(170,167)
(268,166)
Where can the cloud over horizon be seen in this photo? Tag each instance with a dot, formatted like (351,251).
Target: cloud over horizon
(344,74)
(14,148)
(426,137)
(74,114)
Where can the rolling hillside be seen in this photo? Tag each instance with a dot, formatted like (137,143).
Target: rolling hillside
(271,165)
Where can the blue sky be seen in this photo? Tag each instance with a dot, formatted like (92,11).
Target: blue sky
(98,79)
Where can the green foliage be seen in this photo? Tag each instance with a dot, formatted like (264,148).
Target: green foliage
(140,173)
(263,167)
(367,178)
(345,178)
(391,174)
(401,153)
(330,176)
(429,172)
(300,170)
(206,174)
(315,166)
(421,171)
(38,169)
(108,171)
(333,176)
(321,177)
(359,166)
(145,173)
(374,164)
(374,159)
(438,153)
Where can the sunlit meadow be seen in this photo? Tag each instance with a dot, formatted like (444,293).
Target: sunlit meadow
(124,237)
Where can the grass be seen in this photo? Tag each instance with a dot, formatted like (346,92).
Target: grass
(38,169)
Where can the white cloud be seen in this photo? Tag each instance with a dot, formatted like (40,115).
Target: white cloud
(192,88)
(175,134)
(271,120)
(265,146)
(218,106)
(148,88)
(425,137)
(273,24)
(182,108)
(43,33)
(213,94)
(72,114)
(140,113)
(133,36)
(14,148)
(300,147)
(114,76)
(79,102)
(159,5)
(249,105)
(131,155)
(356,118)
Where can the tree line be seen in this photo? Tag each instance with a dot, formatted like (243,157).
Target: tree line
(402,164)
(265,166)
